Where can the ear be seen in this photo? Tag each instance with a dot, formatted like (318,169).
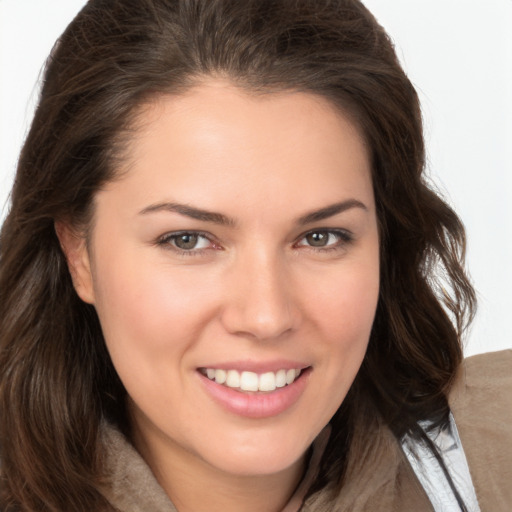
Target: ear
(74,246)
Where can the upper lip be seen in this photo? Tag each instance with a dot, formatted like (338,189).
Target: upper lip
(257,366)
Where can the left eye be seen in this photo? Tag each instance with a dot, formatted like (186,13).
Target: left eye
(188,241)
(322,239)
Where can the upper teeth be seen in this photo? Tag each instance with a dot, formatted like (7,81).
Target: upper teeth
(250,381)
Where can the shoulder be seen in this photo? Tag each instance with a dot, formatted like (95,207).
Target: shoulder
(483,388)
(489,367)
(481,402)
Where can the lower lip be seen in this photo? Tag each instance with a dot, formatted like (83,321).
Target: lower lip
(257,405)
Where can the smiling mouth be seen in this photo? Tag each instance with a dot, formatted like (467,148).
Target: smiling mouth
(246,381)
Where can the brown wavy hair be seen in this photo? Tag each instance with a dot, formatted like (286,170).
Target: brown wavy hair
(57,382)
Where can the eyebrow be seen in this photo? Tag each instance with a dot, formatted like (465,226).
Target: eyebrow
(221,219)
(330,211)
(190,211)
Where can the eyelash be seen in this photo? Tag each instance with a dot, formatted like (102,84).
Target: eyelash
(344,238)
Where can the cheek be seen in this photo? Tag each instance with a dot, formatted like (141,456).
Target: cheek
(148,311)
(345,305)
(345,313)
(151,318)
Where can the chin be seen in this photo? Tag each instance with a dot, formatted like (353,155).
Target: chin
(258,456)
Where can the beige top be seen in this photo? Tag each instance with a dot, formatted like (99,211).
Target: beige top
(481,402)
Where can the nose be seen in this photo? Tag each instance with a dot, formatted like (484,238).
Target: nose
(260,302)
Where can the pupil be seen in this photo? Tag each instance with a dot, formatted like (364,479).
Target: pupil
(317,239)
(186,241)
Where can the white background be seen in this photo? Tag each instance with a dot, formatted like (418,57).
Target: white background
(458,53)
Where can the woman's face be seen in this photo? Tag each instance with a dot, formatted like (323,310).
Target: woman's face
(239,243)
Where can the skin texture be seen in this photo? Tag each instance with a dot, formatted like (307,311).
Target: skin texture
(253,291)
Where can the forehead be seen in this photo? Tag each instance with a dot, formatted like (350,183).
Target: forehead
(219,144)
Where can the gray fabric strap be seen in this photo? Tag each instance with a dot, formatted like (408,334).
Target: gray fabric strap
(430,473)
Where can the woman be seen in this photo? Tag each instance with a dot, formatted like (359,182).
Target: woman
(224,283)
